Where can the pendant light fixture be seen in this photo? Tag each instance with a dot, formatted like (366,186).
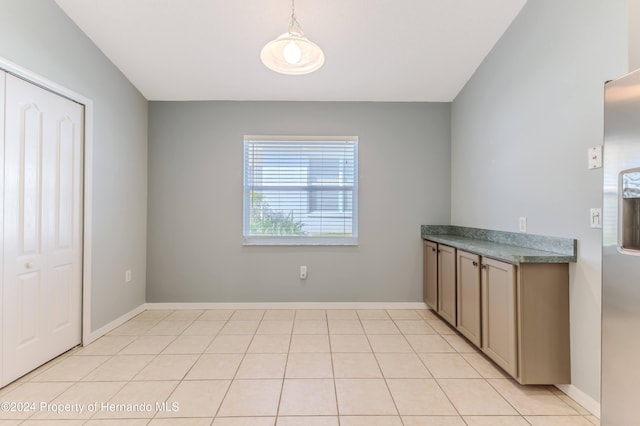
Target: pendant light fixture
(292,53)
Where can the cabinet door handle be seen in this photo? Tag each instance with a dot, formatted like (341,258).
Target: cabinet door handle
(483,266)
(475,263)
(432,249)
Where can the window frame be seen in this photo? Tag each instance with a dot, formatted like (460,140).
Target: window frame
(276,240)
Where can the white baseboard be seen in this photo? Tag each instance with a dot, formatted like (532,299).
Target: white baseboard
(581,398)
(289,305)
(96,334)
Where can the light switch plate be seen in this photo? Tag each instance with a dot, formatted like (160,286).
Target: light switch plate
(596,217)
(522,224)
(595,157)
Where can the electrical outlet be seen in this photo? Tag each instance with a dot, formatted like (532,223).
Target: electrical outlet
(522,224)
(127,276)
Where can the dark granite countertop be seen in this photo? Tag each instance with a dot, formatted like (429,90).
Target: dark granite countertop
(509,247)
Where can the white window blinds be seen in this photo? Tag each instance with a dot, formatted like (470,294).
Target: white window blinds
(300,190)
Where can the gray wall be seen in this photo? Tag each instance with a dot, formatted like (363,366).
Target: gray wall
(520,132)
(195,251)
(37,35)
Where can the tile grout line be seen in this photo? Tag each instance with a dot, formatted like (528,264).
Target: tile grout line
(62,358)
(286,363)
(146,365)
(417,354)
(155,414)
(434,378)
(239,364)
(533,415)
(505,399)
(373,353)
(192,365)
(111,357)
(480,378)
(386,383)
(333,370)
(155,356)
(438,383)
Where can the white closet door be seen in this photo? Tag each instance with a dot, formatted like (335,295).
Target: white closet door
(42,287)
(3,77)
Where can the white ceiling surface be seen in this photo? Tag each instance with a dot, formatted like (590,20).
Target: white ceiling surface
(376,50)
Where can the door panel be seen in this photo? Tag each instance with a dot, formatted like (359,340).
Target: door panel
(430,278)
(61,282)
(447,283)
(27,307)
(42,282)
(28,153)
(499,322)
(3,77)
(65,184)
(468,285)
(64,245)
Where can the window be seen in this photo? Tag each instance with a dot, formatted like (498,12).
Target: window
(300,190)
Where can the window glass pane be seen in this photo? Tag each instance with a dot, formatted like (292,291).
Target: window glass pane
(300,191)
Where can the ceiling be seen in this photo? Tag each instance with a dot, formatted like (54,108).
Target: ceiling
(376,50)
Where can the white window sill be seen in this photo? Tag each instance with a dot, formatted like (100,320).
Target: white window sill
(296,241)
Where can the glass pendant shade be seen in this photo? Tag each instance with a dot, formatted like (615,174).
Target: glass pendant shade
(292,54)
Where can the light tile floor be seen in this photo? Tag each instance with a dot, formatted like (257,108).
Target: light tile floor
(284,368)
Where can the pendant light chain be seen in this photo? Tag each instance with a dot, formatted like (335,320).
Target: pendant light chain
(294,25)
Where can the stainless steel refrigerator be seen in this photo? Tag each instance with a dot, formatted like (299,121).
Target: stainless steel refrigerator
(620,398)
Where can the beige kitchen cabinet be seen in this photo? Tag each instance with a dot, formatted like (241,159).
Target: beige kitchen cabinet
(542,294)
(468,296)
(447,283)
(516,313)
(430,274)
(525,320)
(439,279)
(499,322)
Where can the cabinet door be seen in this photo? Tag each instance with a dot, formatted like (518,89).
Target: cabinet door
(447,283)
(430,277)
(499,323)
(468,286)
